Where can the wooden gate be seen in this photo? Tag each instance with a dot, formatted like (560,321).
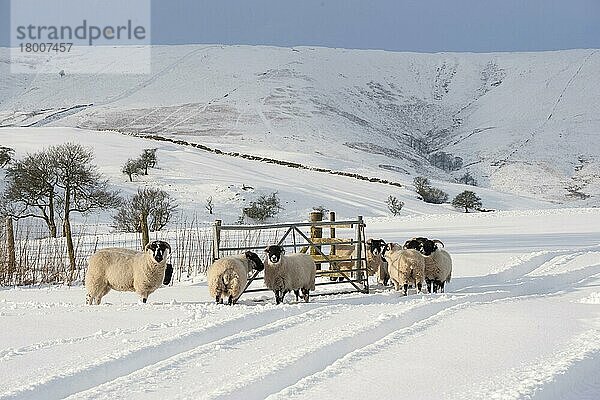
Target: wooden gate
(354,279)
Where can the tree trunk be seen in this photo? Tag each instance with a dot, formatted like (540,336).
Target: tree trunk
(70,250)
(10,247)
(51,217)
(145,233)
(68,235)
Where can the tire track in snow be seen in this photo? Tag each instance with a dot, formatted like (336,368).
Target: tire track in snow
(549,376)
(64,383)
(147,361)
(275,368)
(179,322)
(321,351)
(538,288)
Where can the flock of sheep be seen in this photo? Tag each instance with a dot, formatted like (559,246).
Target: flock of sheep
(418,260)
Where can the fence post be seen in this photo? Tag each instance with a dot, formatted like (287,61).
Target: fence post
(332,232)
(145,233)
(10,247)
(359,239)
(216,239)
(315,232)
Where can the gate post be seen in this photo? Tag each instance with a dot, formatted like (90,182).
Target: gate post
(315,233)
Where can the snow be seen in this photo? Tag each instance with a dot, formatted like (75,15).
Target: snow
(520,318)
(191,176)
(508,115)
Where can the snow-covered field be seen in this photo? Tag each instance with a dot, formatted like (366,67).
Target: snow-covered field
(520,318)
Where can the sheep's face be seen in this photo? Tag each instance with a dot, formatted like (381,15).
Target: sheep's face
(392,248)
(159,249)
(423,245)
(274,253)
(377,246)
(255,260)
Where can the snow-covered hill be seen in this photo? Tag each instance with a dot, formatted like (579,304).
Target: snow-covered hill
(192,175)
(521,122)
(520,320)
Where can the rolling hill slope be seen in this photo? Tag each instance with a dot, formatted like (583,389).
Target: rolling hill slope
(521,122)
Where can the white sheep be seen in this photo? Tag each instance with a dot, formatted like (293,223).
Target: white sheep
(438,262)
(405,266)
(126,271)
(284,273)
(376,264)
(228,276)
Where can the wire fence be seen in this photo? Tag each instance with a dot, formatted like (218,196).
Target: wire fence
(40,259)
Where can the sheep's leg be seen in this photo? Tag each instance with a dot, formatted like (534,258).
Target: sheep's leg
(405,291)
(297,293)
(419,287)
(434,285)
(306,294)
(88,299)
(442,284)
(100,295)
(385,281)
(218,299)
(230,300)
(276,296)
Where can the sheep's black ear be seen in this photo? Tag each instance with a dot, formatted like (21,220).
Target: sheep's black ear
(168,274)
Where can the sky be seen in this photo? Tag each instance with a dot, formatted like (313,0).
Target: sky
(396,25)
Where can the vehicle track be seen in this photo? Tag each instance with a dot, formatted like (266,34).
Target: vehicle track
(316,336)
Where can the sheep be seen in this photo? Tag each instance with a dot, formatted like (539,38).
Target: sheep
(376,263)
(126,270)
(438,263)
(284,273)
(405,266)
(228,276)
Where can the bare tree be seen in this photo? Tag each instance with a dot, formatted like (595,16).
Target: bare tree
(263,208)
(428,193)
(154,205)
(6,155)
(133,167)
(148,159)
(209,205)
(467,200)
(30,189)
(80,188)
(394,205)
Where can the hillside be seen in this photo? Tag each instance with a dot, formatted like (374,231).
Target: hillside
(520,122)
(191,176)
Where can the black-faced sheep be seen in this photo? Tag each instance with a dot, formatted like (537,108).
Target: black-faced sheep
(438,263)
(285,273)
(376,263)
(405,266)
(126,270)
(228,276)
